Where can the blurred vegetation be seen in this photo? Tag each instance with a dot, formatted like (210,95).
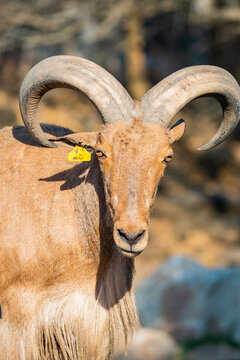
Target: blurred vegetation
(197,211)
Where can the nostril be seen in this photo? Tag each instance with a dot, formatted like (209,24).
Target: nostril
(130,237)
(122,234)
(138,236)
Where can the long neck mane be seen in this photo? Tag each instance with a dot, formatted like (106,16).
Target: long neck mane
(113,288)
(103,315)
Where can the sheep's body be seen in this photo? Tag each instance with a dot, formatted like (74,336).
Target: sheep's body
(55,236)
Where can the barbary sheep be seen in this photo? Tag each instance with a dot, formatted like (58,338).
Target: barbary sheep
(69,230)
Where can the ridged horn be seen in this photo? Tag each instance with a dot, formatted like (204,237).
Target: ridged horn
(169,96)
(107,94)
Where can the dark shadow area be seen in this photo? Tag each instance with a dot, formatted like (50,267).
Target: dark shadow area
(72,177)
(21,134)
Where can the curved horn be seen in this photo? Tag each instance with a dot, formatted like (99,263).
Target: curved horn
(108,95)
(163,101)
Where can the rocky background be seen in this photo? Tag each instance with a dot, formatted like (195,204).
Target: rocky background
(188,312)
(189,304)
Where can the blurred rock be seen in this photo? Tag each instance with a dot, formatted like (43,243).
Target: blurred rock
(214,352)
(190,301)
(151,344)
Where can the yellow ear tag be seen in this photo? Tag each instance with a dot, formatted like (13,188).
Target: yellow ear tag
(79,153)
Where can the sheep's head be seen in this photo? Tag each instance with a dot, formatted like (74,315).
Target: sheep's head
(133,157)
(134,145)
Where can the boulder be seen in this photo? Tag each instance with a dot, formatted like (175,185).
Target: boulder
(190,301)
(151,344)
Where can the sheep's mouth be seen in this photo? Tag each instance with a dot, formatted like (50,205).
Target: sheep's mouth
(129,253)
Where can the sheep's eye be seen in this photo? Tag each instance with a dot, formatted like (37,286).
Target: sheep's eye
(167,159)
(100,154)
(89,149)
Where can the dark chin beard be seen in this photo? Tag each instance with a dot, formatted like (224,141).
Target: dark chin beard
(109,213)
(108,202)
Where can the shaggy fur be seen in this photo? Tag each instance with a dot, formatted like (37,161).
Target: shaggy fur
(65,288)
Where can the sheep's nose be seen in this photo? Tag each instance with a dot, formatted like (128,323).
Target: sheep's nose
(131,238)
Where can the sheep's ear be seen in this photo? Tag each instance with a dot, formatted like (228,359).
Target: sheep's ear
(86,139)
(176,131)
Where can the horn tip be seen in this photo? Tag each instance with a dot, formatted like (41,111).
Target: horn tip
(54,146)
(201,148)
(51,144)
(205,147)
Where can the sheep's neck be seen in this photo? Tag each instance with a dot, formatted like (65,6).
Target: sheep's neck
(114,271)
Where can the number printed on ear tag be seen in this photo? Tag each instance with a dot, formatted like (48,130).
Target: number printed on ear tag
(79,153)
